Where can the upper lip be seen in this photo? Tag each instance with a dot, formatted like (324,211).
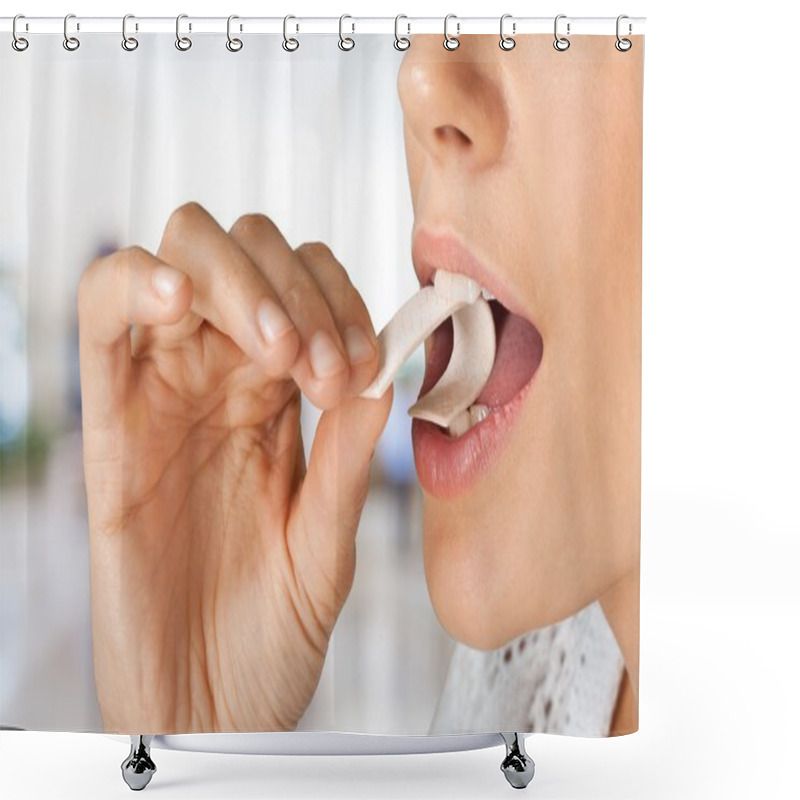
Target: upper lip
(432,250)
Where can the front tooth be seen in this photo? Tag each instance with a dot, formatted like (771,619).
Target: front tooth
(467,419)
(487,295)
(478,413)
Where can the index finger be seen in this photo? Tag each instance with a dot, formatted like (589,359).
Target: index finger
(229,290)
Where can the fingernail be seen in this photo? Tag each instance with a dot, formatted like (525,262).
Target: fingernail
(273,321)
(358,345)
(325,357)
(166,281)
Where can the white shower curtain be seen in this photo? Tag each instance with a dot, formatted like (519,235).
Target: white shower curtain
(101,145)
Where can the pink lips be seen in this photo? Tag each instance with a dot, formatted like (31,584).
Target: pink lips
(447,466)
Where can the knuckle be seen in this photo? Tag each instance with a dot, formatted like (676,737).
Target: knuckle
(124,263)
(253,225)
(130,256)
(96,269)
(296,294)
(316,250)
(114,268)
(341,297)
(185,219)
(327,269)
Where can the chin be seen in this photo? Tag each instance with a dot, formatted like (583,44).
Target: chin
(476,590)
(492,581)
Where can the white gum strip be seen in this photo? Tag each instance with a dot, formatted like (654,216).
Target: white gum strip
(455,286)
(467,371)
(415,320)
(461,424)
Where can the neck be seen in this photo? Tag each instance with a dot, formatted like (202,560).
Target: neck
(620,604)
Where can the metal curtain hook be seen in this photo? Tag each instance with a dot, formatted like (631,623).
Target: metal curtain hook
(451,42)
(70,42)
(345,42)
(506,42)
(401,42)
(129,43)
(290,45)
(233,44)
(623,45)
(19,43)
(182,42)
(561,44)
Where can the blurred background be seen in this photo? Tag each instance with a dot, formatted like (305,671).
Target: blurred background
(98,148)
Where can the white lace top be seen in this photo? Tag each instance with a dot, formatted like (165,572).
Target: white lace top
(561,679)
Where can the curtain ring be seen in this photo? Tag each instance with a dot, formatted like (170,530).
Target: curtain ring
(18,42)
(290,45)
(450,42)
(623,45)
(129,43)
(401,42)
(560,43)
(506,42)
(71,43)
(233,44)
(345,42)
(183,43)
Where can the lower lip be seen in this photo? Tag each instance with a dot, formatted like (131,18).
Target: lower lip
(448,466)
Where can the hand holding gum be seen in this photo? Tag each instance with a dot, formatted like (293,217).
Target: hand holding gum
(448,402)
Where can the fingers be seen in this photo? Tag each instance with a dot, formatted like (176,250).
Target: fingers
(293,312)
(323,370)
(128,287)
(334,492)
(229,290)
(348,309)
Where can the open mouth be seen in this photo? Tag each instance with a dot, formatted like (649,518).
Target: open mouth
(451,461)
(519,349)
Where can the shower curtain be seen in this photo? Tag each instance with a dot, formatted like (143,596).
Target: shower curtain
(229,501)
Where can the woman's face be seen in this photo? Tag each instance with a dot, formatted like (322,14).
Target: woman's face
(525,173)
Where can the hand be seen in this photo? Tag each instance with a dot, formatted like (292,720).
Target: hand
(219,562)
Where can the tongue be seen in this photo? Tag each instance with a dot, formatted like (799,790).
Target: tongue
(519,351)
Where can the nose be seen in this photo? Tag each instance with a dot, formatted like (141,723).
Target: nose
(453,101)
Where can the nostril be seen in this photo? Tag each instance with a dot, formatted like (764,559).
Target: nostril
(450,133)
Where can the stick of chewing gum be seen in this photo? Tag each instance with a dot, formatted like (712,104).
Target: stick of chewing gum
(473,354)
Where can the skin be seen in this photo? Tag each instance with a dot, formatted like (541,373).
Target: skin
(220,560)
(532,158)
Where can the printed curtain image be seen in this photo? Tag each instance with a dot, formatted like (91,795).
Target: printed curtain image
(229,502)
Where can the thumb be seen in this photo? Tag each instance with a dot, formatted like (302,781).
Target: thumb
(333,494)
